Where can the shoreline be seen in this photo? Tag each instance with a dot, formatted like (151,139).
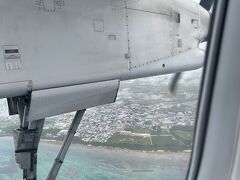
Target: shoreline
(114,149)
(107,148)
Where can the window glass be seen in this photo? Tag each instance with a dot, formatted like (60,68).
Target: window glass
(148,132)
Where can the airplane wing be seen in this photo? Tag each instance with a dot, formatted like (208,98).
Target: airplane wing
(78,42)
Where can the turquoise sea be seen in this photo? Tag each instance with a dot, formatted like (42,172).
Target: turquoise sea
(96,163)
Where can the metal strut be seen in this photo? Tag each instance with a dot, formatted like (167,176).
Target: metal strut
(26,139)
(65,146)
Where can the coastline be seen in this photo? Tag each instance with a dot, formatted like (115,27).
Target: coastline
(107,148)
(116,149)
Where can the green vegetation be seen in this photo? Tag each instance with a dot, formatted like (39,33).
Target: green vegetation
(164,141)
(167,143)
(139,130)
(125,139)
(178,138)
(183,134)
(129,142)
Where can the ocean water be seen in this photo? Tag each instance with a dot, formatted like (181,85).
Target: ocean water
(96,163)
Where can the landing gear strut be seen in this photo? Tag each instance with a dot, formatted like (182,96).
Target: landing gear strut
(27,137)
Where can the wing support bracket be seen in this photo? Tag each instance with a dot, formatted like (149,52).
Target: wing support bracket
(65,146)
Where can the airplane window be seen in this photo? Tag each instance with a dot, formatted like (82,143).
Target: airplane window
(146,134)
(137,72)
